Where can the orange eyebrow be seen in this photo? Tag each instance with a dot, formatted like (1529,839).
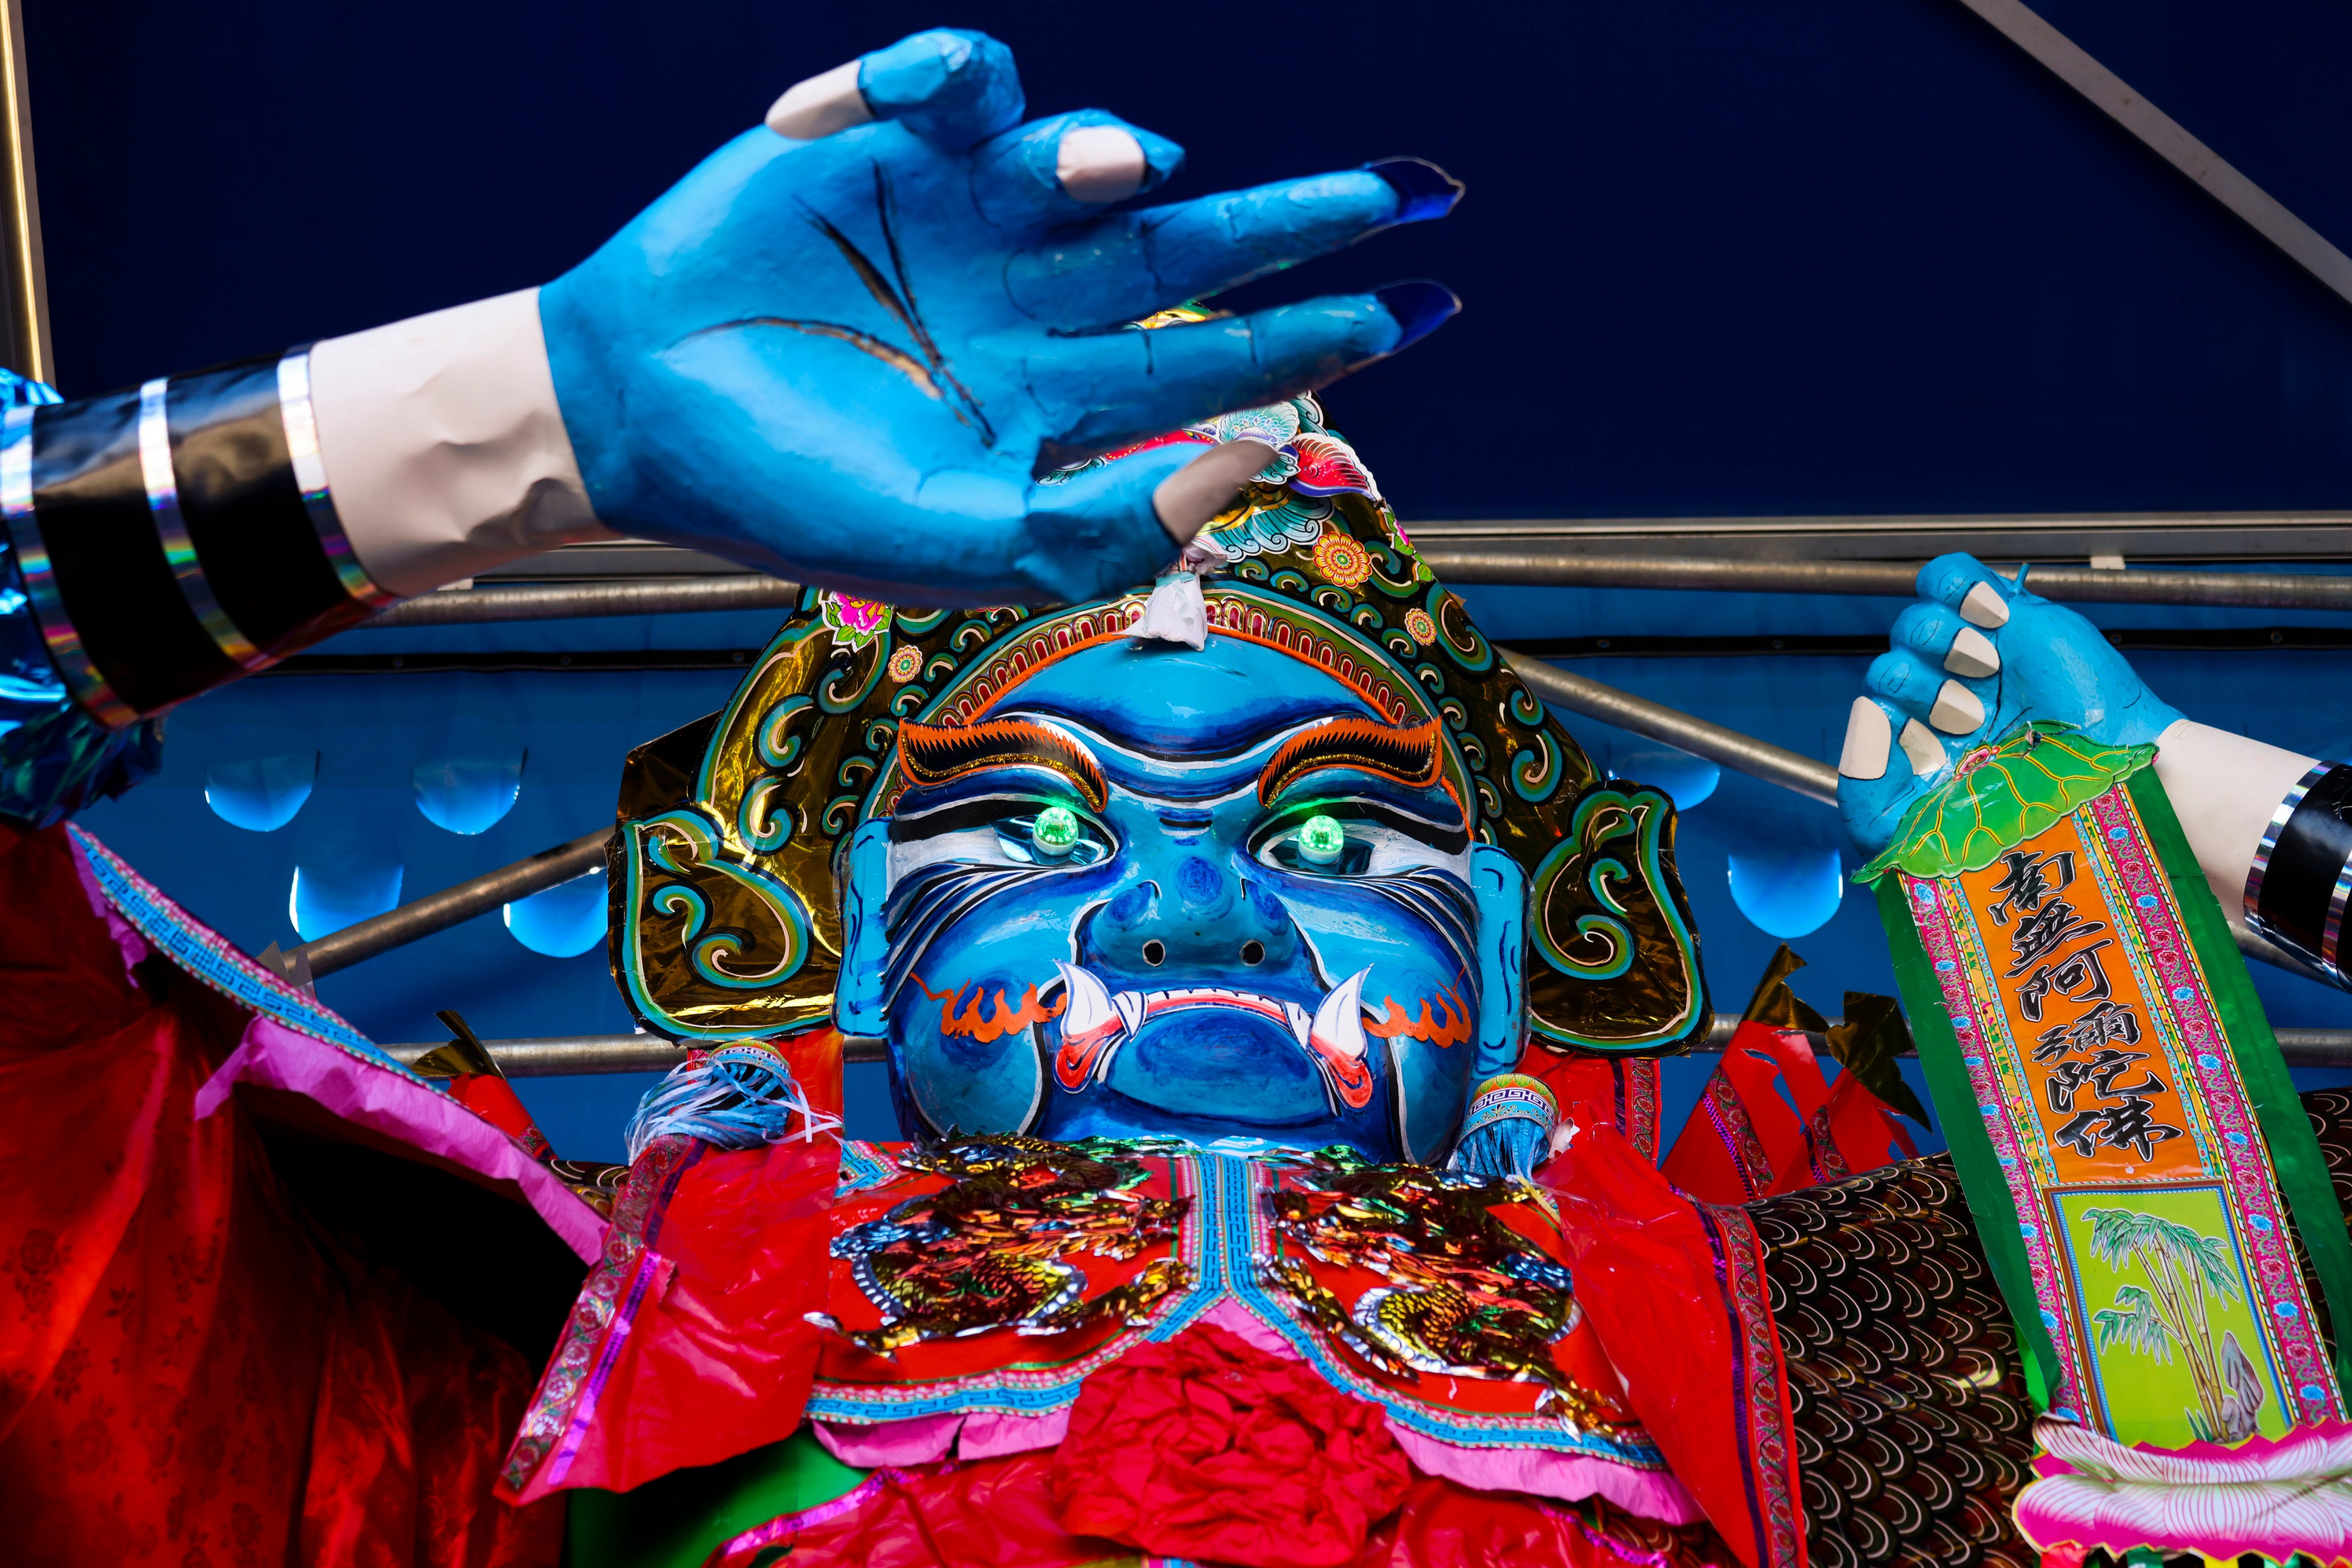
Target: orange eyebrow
(1411,757)
(931,755)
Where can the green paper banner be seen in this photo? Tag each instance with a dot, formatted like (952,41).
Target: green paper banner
(2122,1121)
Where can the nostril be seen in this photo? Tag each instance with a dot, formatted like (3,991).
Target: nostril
(1253,952)
(1155,953)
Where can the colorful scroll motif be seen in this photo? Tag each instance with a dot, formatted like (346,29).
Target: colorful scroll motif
(994,1274)
(2047,956)
(993,1246)
(1453,1290)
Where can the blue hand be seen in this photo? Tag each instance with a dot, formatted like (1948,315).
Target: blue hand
(1975,658)
(845,359)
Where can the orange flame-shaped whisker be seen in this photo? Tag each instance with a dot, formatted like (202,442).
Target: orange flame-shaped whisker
(1450,1029)
(975,1021)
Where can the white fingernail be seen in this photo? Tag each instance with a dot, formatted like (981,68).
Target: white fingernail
(820,106)
(1926,751)
(1868,736)
(1187,498)
(1983,607)
(1972,655)
(1100,163)
(1957,711)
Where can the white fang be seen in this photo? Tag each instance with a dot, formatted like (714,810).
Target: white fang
(1339,1026)
(1087,1014)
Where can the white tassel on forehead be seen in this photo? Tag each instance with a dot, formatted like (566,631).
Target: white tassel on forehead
(1175,611)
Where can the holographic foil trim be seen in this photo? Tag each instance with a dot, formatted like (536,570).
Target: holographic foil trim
(311,475)
(90,688)
(2270,836)
(172,529)
(2329,938)
(650,1280)
(864,1165)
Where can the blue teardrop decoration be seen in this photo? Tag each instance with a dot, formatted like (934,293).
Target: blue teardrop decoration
(563,922)
(331,895)
(1688,780)
(263,795)
(472,786)
(1790,894)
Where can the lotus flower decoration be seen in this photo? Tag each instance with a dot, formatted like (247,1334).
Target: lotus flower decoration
(2272,1496)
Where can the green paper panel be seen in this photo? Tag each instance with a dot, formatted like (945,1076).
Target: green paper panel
(1962,1121)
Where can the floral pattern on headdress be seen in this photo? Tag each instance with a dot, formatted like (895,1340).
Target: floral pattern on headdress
(1287,503)
(854,622)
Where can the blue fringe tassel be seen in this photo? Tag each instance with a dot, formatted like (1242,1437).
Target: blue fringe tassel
(740,1096)
(1512,1148)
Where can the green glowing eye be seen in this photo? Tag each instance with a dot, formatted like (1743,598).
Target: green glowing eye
(1055,833)
(1321,840)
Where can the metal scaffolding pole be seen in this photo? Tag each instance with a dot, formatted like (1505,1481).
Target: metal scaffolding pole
(2168,139)
(1746,753)
(567,601)
(2234,537)
(439,911)
(563,1055)
(1557,568)
(1536,565)
(23,274)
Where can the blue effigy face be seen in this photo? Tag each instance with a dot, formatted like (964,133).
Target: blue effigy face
(1211,894)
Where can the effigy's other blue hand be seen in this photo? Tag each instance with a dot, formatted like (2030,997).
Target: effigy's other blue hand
(1975,658)
(845,347)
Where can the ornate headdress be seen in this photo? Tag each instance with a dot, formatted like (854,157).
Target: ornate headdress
(726,910)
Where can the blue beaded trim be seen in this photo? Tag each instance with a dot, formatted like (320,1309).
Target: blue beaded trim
(206,954)
(1511,1102)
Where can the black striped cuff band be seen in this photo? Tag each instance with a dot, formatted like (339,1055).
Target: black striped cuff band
(2301,874)
(174,538)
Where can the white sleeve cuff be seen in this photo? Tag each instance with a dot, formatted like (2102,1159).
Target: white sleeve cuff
(2224,787)
(444,451)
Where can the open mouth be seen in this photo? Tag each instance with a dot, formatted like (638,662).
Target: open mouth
(1095,1021)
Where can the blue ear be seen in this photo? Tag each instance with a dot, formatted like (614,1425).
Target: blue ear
(1501,889)
(858,1005)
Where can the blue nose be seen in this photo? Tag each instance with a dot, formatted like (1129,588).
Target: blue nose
(1187,912)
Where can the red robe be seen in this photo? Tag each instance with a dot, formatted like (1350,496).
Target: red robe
(192,1371)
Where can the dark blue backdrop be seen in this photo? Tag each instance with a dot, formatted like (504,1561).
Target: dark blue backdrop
(1832,256)
(1823,256)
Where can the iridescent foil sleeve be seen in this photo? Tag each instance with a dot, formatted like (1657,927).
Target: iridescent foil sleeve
(173,538)
(161,541)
